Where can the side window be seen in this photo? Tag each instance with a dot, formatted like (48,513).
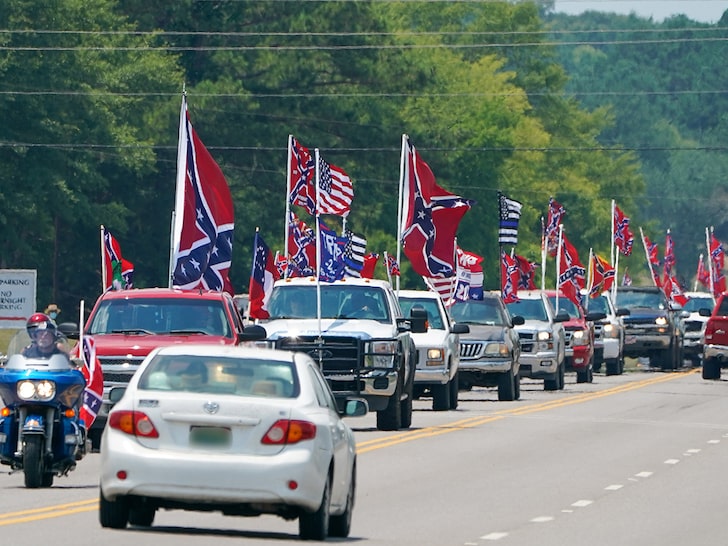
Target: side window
(323,393)
(723,309)
(232,310)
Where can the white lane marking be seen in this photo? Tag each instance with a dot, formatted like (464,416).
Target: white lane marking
(582,503)
(542,519)
(644,474)
(567,511)
(672,461)
(494,536)
(614,487)
(713,441)
(693,451)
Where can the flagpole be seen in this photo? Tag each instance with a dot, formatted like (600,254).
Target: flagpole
(543,255)
(616,269)
(288,204)
(611,244)
(647,255)
(318,246)
(400,201)
(710,260)
(558,265)
(695,284)
(103,261)
(590,273)
(179,199)
(386,264)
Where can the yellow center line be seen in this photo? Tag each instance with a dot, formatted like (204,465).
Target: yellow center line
(428,432)
(48,512)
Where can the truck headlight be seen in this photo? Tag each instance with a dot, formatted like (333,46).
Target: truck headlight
(435,357)
(610,331)
(579,337)
(544,336)
(380,354)
(496,349)
(661,321)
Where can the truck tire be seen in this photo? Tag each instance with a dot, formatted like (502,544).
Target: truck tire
(454,387)
(506,386)
(390,418)
(711,369)
(613,367)
(441,397)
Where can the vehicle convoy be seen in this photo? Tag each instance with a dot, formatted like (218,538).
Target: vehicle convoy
(127,324)
(694,325)
(489,353)
(40,430)
(608,334)
(653,328)
(239,430)
(715,338)
(579,336)
(358,335)
(438,349)
(542,338)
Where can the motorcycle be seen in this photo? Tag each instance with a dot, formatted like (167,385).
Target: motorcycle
(40,430)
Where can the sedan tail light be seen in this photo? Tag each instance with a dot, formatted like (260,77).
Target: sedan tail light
(289,431)
(135,423)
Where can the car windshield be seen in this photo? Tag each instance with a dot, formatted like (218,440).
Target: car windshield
(160,316)
(529,309)
(696,303)
(565,306)
(337,301)
(649,299)
(478,312)
(221,375)
(598,305)
(434,319)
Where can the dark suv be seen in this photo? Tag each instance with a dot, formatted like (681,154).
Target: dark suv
(653,327)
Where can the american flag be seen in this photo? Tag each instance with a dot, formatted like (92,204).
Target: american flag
(510,213)
(430,218)
(202,241)
(623,236)
(445,288)
(354,251)
(335,190)
(300,173)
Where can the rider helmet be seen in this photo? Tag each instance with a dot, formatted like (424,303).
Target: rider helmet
(39,322)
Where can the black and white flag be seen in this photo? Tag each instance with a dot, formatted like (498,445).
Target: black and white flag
(510,213)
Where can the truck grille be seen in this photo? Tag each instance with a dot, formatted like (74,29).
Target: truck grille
(694,326)
(526,340)
(119,369)
(338,355)
(470,349)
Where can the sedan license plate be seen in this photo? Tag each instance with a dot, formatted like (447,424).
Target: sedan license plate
(210,436)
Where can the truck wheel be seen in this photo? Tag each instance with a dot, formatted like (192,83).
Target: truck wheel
(454,390)
(517,386)
(506,387)
(441,397)
(582,376)
(406,413)
(711,369)
(613,366)
(390,418)
(561,377)
(667,359)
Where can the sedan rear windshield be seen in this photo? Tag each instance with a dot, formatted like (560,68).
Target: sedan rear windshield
(221,375)
(160,316)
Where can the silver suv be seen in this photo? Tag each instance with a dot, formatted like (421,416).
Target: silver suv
(542,338)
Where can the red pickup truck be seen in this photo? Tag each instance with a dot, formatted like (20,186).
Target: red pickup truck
(127,324)
(715,338)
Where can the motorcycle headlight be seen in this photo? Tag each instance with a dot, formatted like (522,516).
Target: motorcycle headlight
(36,390)
(380,354)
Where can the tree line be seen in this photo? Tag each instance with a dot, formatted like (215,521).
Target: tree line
(489,93)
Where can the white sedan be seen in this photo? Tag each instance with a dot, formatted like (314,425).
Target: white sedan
(239,430)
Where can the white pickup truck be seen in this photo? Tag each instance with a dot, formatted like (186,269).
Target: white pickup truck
(438,349)
(356,331)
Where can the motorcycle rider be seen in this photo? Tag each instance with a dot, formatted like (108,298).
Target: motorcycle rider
(44,337)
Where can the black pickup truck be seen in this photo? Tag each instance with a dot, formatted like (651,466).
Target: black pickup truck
(653,327)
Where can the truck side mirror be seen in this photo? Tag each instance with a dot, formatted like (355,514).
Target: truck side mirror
(252,332)
(418,321)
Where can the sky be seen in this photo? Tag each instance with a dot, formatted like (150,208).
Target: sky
(704,11)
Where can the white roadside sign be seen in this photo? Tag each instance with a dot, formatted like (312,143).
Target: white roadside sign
(17,296)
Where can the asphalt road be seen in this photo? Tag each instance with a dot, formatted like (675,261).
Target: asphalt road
(627,460)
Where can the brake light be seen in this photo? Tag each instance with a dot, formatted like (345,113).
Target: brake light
(289,431)
(135,423)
